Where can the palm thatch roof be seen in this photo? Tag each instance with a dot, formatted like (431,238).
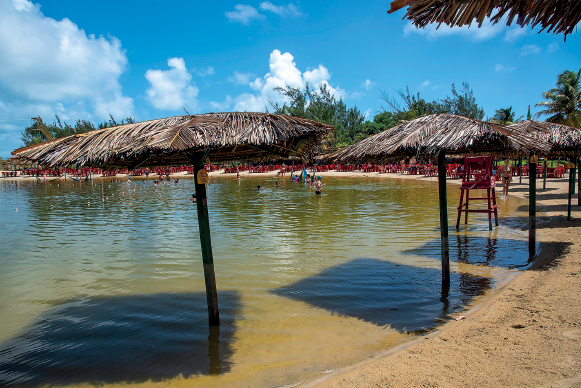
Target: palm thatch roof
(429,135)
(229,136)
(564,140)
(559,16)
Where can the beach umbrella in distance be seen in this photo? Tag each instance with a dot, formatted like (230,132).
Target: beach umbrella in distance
(565,142)
(438,135)
(551,15)
(186,140)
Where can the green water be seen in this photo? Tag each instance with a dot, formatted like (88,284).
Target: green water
(103,284)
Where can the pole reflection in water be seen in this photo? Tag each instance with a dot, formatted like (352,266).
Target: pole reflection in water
(214,351)
(365,258)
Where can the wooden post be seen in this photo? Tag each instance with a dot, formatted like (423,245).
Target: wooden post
(572,171)
(545,175)
(519,170)
(578,182)
(205,240)
(443,217)
(532,203)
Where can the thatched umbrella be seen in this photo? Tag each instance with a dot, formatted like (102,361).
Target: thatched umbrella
(565,142)
(440,135)
(186,140)
(431,134)
(559,16)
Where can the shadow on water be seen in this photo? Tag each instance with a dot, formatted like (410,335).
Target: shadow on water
(134,338)
(478,250)
(407,298)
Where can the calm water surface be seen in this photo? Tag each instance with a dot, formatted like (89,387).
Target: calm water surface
(111,291)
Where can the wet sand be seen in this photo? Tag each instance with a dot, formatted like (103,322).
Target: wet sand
(527,333)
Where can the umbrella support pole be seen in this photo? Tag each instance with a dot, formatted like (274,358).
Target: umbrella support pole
(206,242)
(532,206)
(578,182)
(572,171)
(545,175)
(443,218)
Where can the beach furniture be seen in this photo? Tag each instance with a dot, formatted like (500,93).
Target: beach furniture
(478,176)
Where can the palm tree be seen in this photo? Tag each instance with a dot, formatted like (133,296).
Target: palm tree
(564,105)
(504,116)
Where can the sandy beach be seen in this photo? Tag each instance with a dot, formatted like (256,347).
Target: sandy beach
(526,333)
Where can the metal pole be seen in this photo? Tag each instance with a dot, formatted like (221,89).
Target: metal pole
(572,171)
(443,217)
(545,175)
(532,203)
(205,241)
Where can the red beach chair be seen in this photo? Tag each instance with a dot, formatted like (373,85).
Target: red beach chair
(480,168)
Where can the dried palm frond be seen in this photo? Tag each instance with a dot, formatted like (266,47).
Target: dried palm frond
(564,140)
(229,136)
(429,135)
(559,16)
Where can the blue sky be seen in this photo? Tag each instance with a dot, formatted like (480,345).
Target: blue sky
(147,59)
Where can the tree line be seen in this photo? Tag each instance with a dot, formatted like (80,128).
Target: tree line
(32,135)
(562,104)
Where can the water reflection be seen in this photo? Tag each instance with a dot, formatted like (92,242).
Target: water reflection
(407,298)
(132,338)
(479,250)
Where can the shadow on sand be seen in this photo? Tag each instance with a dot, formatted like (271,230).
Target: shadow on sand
(129,339)
(407,298)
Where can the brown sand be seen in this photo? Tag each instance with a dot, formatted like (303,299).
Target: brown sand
(526,334)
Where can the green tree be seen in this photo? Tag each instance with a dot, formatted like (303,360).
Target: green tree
(30,135)
(411,105)
(504,116)
(320,105)
(381,122)
(564,101)
(461,103)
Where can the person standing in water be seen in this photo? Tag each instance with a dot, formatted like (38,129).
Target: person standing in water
(506,175)
(318,185)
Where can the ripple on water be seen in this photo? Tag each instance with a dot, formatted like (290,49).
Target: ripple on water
(332,278)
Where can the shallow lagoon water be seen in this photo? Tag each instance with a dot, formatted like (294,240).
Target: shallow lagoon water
(111,292)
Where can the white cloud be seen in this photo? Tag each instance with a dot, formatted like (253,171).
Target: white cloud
(367,114)
(240,78)
(487,31)
(425,84)
(316,76)
(514,33)
(368,84)
(250,103)
(48,60)
(244,14)
(222,106)
(172,89)
(530,49)
(289,10)
(205,71)
(552,47)
(284,72)
(503,68)
(50,67)
(117,107)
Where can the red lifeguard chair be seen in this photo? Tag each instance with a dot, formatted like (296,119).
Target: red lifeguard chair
(478,176)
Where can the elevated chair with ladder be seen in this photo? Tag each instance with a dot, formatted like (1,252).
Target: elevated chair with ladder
(478,176)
